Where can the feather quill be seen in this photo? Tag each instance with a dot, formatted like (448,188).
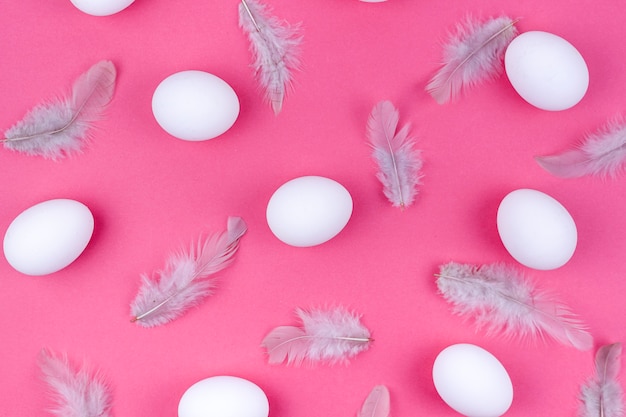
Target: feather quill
(275,46)
(187,279)
(332,336)
(503,300)
(77,393)
(601,154)
(399,163)
(377,403)
(473,55)
(60,127)
(601,396)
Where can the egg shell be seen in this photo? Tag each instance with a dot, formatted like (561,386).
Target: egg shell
(472,381)
(48,236)
(546,70)
(195,105)
(101,7)
(309,211)
(223,396)
(536,229)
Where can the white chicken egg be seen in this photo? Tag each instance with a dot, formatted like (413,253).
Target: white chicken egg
(472,381)
(101,7)
(195,105)
(536,229)
(223,396)
(308,211)
(48,236)
(546,70)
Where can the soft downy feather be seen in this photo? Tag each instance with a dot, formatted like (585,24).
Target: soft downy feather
(601,396)
(601,154)
(332,336)
(503,300)
(472,56)
(60,127)
(377,403)
(77,393)
(399,163)
(275,46)
(188,278)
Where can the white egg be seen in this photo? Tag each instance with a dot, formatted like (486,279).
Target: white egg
(195,105)
(101,7)
(308,211)
(546,70)
(472,381)
(536,229)
(48,236)
(223,396)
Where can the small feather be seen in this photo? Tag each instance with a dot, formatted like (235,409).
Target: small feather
(60,127)
(399,164)
(188,278)
(275,46)
(77,393)
(472,56)
(601,154)
(332,336)
(503,300)
(377,403)
(602,395)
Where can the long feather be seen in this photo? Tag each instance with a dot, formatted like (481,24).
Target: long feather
(188,278)
(332,336)
(60,127)
(377,403)
(602,154)
(602,395)
(275,46)
(77,393)
(473,55)
(503,300)
(399,163)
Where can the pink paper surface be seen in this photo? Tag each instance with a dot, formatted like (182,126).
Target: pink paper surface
(152,194)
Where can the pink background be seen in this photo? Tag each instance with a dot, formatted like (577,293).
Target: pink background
(151,194)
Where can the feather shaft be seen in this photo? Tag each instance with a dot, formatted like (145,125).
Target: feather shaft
(601,395)
(377,403)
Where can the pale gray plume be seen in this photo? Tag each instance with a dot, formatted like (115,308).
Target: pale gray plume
(331,336)
(60,127)
(602,395)
(187,279)
(377,403)
(76,393)
(275,46)
(399,163)
(503,300)
(473,55)
(601,154)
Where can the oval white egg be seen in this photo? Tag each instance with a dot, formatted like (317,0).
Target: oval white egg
(546,70)
(472,381)
(536,229)
(223,396)
(101,7)
(48,236)
(195,105)
(308,211)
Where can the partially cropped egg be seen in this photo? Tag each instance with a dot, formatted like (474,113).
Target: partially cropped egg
(195,105)
(48,236)
(101,7)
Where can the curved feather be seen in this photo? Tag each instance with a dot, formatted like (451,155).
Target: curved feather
(502,300)
(329,336)
(188,278)
(60,127)
(398,162)
(602,395)
(377,403)
(275,46)
(602,154)
(473,55)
